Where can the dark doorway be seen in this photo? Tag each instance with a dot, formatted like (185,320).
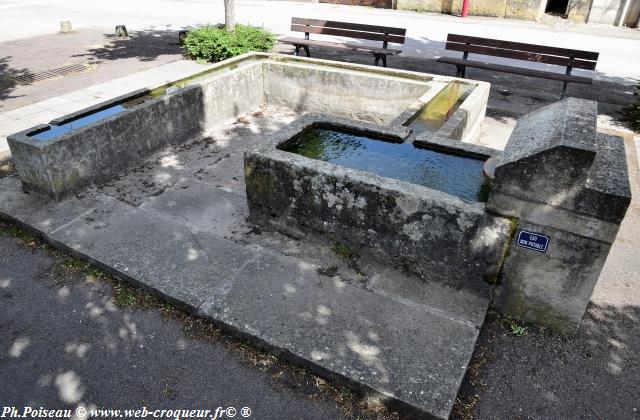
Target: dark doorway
(557,7)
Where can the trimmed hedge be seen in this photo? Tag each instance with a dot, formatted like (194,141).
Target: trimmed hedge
(213,44)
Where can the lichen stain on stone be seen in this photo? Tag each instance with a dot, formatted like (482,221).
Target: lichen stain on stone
(330,198)
(486,237)
(463,222)
(413,231)
(409,205)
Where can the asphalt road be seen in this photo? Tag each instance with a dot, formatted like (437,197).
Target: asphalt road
(67,343)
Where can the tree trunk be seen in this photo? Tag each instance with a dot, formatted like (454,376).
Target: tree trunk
(229,15)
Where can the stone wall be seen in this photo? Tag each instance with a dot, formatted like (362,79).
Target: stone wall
(69,163)
(604,11)
(428,232)
(100,150)
(516,9)
(371,96)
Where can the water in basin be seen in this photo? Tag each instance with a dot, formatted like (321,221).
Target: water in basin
(439,109)
(454,174)
(57,130)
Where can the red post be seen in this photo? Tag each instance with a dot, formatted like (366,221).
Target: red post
(465,8)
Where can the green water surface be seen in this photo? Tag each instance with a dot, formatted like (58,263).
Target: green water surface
(439,109)
(453,174)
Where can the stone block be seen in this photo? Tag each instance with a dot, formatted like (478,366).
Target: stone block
(94,153)
(568,187)
(437,234)
(414,357)
(551,288)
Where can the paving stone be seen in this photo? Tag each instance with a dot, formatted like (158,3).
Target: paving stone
(37,214)
(455,304)
(203,207)
(154,253)
(416,358)
(227,172)
(414,354)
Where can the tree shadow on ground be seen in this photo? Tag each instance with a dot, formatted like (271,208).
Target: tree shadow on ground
(145,45)
(8,77)
(546,375)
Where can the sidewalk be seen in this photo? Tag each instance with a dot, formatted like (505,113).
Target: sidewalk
(619,61)
(104,57)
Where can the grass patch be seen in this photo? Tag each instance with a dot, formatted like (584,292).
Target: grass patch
(514,327)
(125,296)
(29,240)
(344,251)
(213,44)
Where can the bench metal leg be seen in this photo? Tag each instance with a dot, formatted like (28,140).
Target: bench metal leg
(304,47)
(461,71)
(564,90)
(379,57)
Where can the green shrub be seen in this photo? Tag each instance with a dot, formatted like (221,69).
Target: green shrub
(633,111)
(211,43)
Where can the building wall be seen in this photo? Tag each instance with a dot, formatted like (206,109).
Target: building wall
(515,9)
(382,4)
(603,11)
(579,11)
(634,15)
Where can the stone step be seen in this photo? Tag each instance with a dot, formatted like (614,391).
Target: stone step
(413,355)
(407,343)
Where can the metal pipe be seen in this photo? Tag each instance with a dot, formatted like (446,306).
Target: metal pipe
(465,8)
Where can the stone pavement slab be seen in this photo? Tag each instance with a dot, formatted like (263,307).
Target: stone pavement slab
(39,216)
(413,356)
(461,305)
(202,207)
(153,252)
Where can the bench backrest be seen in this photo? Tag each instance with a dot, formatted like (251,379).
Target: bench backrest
(520,51)
(349,30)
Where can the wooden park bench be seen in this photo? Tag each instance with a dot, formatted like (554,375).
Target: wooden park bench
(567,58)
(346,30)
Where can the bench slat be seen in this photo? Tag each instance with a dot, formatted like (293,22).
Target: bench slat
(372,36)
(519,46)
(348,25)
(520,55)
(345,46)
(517,70)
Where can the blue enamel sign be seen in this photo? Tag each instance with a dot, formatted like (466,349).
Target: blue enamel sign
(534,241)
